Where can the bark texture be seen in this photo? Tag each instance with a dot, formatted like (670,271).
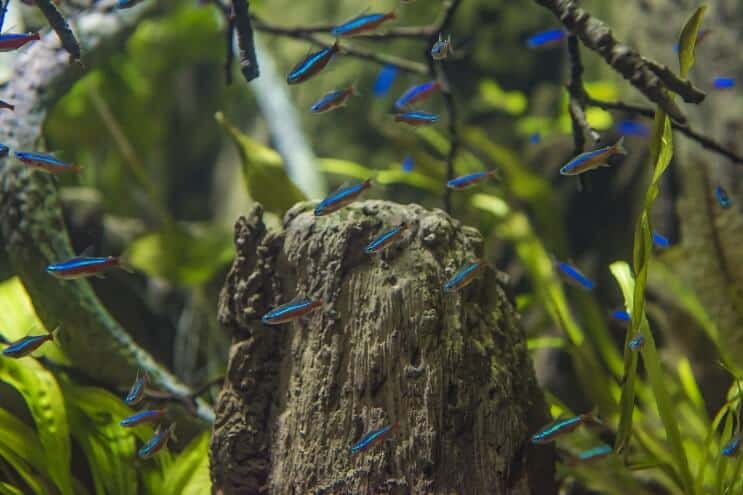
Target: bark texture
(388,346)
(712,260)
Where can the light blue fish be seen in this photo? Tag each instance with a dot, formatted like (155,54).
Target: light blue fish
(27,345)
(291,311)
(361,24)
(636,343)
(417,118)
(157,442)
(546,38)
(552,431)
(723,83)
(341,198)
(136,393)
(574,275)
(384,80)
(442,48)
(312,64)
(408,164)
(722,197)
(593,159)
(620,315)
(373,438)
(417,93)
(386,239)
(659,241)
(143,417)
(464,277)
(632,128)
(595,453)
(732,448)
(469,180)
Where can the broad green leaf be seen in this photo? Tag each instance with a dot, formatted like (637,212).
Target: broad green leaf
(189,473)
(44,399)
(21,449)
(491,204)
(598,118)
(688,41)
(110,449)
(18,318)
(184,255)
(263,171)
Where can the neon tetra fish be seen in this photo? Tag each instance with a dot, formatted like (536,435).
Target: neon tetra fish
(143,417)
(442,48)
(157,442)
(341,198)
(723,83)
(594,454)
(13,41)
(574,275)
(384,80)
(27,345)
(332,100)
(45,162)
(464,277)
(373,438)
(550,432)
(659,241)
(593,159)
(84,266)
(361,24)
(291,311)
(469,180)
(636,343)
(546,38)
(620,315)
(386,239)
(417,118)
(732,448)
(312,65)
(136,393)
(722,197)
(416,94)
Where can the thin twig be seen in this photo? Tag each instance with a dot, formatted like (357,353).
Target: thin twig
(187,400)
(346,49)
(705,141)
(436,71)
(597,36)
(244,28)
(60,26)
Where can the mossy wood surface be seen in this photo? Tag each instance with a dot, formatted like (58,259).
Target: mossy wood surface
(388,346)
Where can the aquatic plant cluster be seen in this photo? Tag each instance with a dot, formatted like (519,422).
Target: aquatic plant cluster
(638,335)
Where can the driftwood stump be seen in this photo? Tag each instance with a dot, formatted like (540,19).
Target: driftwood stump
(388,346)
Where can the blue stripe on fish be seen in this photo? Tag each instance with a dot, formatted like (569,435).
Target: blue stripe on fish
(416,93)
(722,197)
(25,346)
(632,128)
(463,277)
(408,164)
(544,38)
(136,393)
(732,447)
(156,443)
(290,310)
(311,65)
(723,83)
(417,117)
(595,453)
(636,343)
(468,180)
(142,417)
(385,239)
(384,80)
(361,23)
(548,433)
(341,198)
(575,275)
(659,241)
(371,438)
(620,315)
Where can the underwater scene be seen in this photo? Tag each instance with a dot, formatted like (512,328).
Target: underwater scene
(437,247)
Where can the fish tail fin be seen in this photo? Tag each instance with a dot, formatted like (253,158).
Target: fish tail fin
(619,147)
(352,91)
(392,14)
(124,264)
(36,36)
(368,182)
(395,427)
(54,334)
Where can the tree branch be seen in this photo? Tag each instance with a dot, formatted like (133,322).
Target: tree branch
(30,214)
(346,49)
(597,36)
(60,26)
(705,141)
(242,24)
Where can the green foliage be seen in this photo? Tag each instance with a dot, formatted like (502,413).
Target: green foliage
(493,96)
(63,412)
(263,171)
(185,255)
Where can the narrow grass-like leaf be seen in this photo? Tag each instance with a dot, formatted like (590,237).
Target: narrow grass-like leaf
(688,41)
(20,448)
(689,383)
(8,489)
(43,396)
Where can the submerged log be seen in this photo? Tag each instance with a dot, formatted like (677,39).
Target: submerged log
(388,346)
